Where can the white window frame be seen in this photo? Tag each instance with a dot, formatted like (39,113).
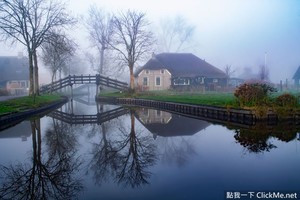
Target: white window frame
(188,81)
(156,80)
(158,113)
(147,82)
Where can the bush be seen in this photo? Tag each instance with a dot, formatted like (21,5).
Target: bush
(253,94)
(287,100)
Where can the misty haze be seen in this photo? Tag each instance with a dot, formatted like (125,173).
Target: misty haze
(127,99)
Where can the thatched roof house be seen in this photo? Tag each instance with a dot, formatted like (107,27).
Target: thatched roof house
(177,70)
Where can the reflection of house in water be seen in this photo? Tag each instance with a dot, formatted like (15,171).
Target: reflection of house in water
(165,124)
(21,130)
(149,116)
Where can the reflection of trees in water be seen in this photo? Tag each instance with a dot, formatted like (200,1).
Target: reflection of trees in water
(257,139)
(60,140)
(255,142)
(126,158)
(43,179)
(176,150)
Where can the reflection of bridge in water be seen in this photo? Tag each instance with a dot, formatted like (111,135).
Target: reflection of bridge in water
(98,118)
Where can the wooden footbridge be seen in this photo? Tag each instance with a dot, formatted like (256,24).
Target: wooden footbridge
(98,118)
(70,80)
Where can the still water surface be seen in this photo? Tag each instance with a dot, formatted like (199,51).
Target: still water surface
(143,154)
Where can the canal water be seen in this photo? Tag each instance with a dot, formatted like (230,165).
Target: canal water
(141,153)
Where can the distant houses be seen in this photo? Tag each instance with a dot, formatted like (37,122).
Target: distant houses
(296,77)
(180,71)
(14,76)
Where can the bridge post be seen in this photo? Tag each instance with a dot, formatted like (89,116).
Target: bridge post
(97,83)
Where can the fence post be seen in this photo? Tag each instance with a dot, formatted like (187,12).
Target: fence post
(97,83)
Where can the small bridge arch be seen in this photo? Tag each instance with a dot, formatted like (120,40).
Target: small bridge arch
(97,79)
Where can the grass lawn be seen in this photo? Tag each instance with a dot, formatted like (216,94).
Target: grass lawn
(24,103)
(215,99)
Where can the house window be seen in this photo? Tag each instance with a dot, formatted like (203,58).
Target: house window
(147,72)
(200,80)
(158,113)
(157,81)
(145,81)
(162,71)
(146,112)
(182,81)
(215,80)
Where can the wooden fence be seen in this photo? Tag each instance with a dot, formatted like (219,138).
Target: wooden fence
(83,79)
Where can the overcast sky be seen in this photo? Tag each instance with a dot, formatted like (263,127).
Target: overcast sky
(228,32)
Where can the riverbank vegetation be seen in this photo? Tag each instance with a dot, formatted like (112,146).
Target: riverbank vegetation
(27,102)
(261,98)
(210,98)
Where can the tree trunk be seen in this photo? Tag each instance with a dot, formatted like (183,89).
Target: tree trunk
(101,60)
(36,74)
(31,81)
(131,78)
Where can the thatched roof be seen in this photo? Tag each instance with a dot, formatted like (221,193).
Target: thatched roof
(182,65)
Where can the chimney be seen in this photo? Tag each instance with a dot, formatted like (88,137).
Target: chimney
(153,54)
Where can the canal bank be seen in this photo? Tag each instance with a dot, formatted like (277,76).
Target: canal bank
(12,118)
(216,114)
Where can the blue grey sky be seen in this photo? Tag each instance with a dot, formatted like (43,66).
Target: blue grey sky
(228,32)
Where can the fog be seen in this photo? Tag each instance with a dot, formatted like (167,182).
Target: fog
(240,33)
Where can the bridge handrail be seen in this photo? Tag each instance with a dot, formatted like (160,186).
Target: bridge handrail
(82,119)
(76,79)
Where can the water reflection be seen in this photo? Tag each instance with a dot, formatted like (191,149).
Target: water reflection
(126,159)
(46,177)
(171,128)
(139,147)
(257,139)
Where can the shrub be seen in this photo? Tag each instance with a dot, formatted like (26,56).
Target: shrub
(287,100)
(253,94)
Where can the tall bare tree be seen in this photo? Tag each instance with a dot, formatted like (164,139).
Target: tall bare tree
(175,34)
(57,53)
(130,39)
(29,22)
(229,71)
(263,73)
(99,26)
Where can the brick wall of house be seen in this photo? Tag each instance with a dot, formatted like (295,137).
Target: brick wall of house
(152,76)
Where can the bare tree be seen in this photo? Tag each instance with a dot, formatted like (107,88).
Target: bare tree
(229,72)
(263,73)
(57,52)
(29,22)
(175,34)
(100,30)
(131,39)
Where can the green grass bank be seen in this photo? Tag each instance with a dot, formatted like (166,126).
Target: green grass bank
(27,102)
(213,99)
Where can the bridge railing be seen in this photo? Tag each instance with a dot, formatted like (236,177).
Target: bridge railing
(98,118)
(105,81)
(83,79)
